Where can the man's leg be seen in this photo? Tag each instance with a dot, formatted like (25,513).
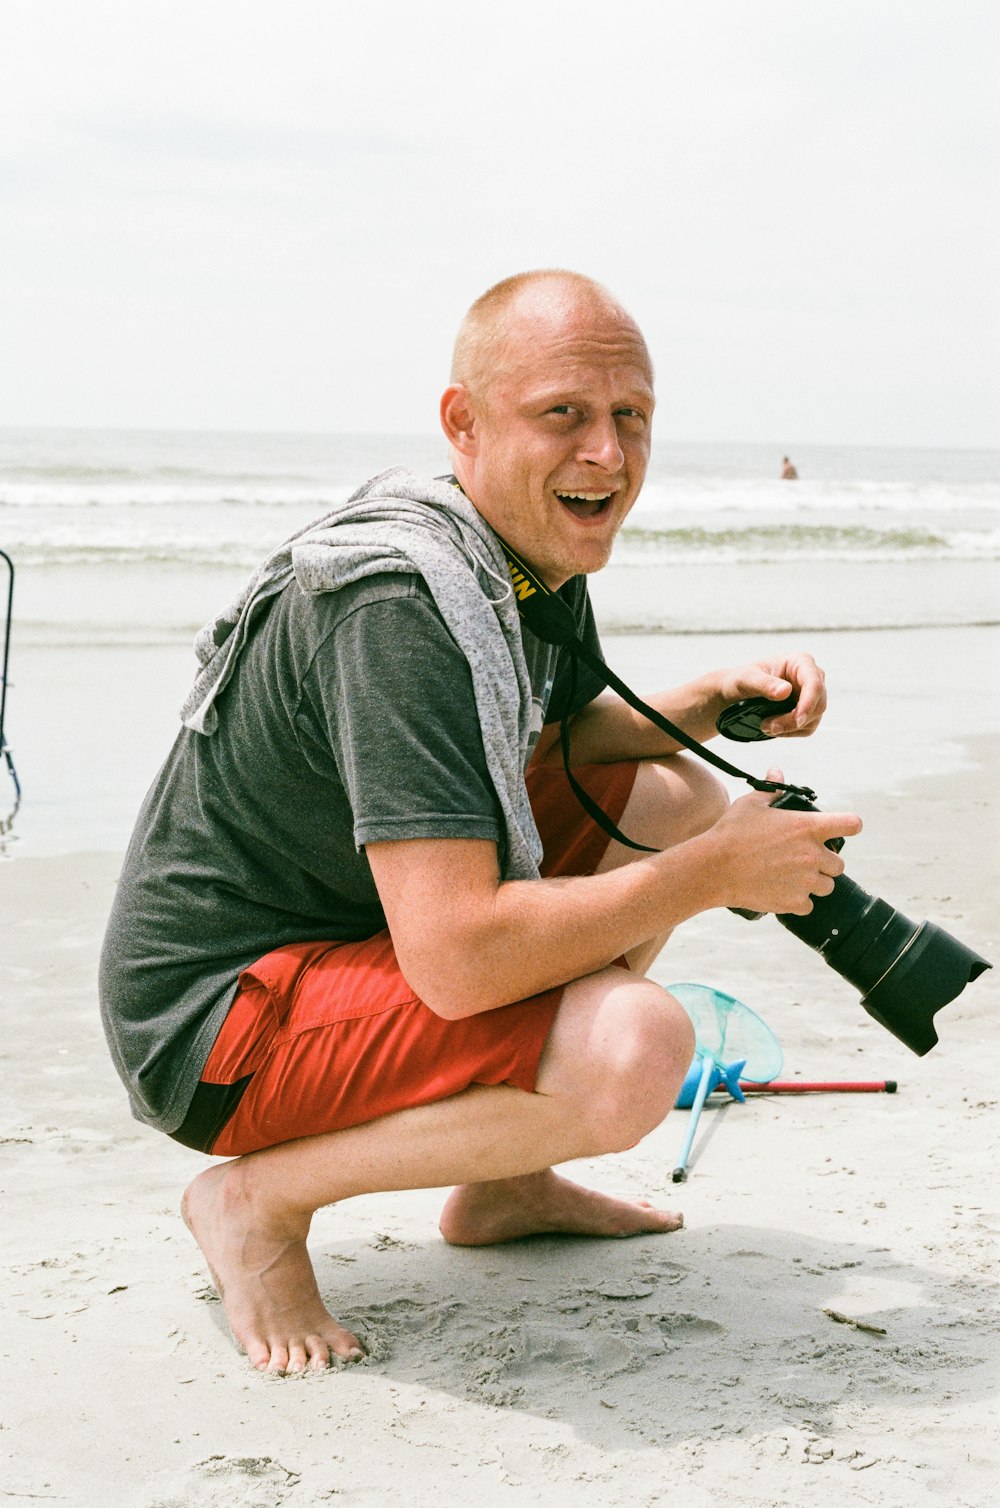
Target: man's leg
(609,1073)
(671,800)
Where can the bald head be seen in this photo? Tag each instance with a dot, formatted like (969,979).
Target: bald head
(549,418)
(530,304)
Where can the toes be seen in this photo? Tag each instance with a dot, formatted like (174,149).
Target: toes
(314,1354)
(258,1354)
(278,1363)
(347,1347)
(644,1219)
(318,1352)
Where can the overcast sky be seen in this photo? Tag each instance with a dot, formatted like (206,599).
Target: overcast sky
(247,215)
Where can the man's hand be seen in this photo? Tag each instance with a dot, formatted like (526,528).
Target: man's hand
(777,860)
(608,728)
(777,679)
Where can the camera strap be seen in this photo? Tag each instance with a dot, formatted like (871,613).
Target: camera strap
(551,620)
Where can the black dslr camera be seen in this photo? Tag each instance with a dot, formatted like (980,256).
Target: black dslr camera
(906,971)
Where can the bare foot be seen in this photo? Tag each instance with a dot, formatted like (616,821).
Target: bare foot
(482,1214)
(264,1277)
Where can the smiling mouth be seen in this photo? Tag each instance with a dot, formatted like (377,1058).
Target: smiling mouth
(585,504)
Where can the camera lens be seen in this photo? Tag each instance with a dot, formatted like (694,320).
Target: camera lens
(904,970)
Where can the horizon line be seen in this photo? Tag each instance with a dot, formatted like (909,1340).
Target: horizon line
(414,434)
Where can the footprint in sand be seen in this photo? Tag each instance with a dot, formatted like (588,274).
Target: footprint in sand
(224,1482)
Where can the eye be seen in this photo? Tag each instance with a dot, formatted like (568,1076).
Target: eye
(561,408)
(631,413)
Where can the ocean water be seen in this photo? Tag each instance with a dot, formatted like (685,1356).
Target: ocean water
(125,544)
(142,535)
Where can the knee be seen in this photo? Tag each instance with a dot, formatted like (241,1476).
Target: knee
(643,1064)
(677,798)
(705,798)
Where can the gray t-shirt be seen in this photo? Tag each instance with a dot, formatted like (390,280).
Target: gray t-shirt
(350,719)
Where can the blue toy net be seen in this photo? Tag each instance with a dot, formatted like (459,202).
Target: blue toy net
(726,1030)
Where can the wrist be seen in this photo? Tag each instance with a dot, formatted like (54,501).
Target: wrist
(698,870)
(707,700)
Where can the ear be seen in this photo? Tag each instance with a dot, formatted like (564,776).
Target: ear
(458,419)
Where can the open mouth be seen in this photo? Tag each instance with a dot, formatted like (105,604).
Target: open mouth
(585,504)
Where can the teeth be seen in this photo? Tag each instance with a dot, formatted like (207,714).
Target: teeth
(586,497)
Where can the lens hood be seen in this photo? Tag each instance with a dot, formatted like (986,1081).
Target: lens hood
(930,971)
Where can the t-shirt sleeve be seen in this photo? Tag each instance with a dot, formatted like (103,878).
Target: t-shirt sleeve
(392,695)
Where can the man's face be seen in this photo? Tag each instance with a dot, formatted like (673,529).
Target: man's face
(557,449)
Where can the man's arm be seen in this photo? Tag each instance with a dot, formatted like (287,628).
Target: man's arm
(468,943)
(608,729)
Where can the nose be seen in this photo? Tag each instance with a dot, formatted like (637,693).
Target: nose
(601,446)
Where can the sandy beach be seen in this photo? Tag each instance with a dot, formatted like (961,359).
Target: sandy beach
(641,1372)
(238,242)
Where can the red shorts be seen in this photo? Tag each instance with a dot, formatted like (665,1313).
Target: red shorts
(325,1035)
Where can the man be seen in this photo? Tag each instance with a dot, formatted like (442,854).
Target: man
(332,956)
(788,471)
